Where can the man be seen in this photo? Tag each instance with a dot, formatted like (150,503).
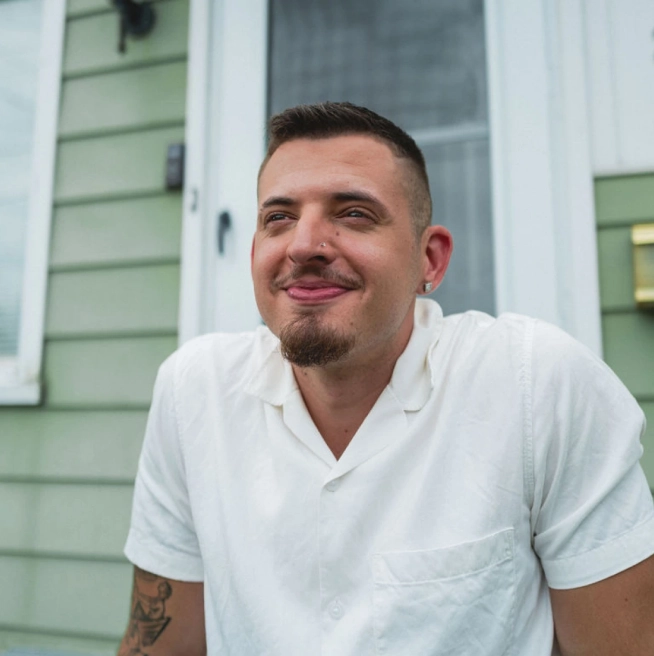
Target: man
(364,476)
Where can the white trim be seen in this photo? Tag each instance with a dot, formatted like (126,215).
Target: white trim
(463,132)
(619,56)
(623,172)
(25,387)
(500,180)
(26,394)
(225,98)
(543,212)
(236,135)
(199,39)
(525,258)
(601,84)
(575,218)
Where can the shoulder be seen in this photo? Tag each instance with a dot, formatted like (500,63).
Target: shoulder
(562,363)
(217,358)
(475,327)
(533,343)
(545,359)
(480,338)
(578,404)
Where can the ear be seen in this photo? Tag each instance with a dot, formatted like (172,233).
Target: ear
(436,247)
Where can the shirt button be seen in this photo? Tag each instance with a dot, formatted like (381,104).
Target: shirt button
(332,485)
(336,609)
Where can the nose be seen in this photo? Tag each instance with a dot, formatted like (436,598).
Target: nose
(311,238)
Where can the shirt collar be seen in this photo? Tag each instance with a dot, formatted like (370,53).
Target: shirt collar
(273,380)
(272,377)
(412,378)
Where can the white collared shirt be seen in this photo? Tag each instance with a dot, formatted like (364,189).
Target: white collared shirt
(501,459)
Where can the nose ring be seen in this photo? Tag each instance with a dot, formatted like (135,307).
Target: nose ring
(323,244)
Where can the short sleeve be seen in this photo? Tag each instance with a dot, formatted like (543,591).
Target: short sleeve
(593,512)
(162,538)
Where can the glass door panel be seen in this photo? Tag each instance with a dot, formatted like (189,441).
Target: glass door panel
(421,63)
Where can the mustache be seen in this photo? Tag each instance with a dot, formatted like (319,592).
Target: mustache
(319,272)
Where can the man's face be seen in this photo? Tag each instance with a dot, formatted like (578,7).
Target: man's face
(335,259)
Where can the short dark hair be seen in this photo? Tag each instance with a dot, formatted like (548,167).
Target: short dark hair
(334,119)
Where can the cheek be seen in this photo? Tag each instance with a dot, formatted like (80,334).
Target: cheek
(263,257)
(260,279)
(393,268)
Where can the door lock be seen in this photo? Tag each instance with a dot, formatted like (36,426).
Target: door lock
(224,224)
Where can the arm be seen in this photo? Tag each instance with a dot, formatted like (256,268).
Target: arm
(592,509)
(166,618)
(613,617)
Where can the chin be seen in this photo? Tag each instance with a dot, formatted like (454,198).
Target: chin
(306,341)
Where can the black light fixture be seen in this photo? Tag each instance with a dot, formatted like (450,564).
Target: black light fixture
(136,19)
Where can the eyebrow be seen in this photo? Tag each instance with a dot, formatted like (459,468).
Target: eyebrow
(363,197)
(344,196)
(284,201)
(339,196)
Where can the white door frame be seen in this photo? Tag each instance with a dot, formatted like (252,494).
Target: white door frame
(542,179)
(218,142)
(542,182)
(196,158)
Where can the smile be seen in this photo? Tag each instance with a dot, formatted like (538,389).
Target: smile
(315,294)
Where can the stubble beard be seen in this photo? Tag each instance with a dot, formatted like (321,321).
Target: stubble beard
(306,342)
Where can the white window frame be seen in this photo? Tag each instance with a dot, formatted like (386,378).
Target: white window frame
(544,234)
(20,376)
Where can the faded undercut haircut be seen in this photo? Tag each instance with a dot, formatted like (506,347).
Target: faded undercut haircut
(336,119)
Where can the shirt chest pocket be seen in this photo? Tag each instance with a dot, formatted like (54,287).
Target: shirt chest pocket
(445,602)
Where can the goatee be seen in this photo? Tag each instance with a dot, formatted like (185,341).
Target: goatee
(305,342)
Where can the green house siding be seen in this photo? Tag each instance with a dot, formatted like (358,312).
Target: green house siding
(628,332)
(68,466)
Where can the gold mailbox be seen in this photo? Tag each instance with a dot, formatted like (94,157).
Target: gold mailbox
(642,238)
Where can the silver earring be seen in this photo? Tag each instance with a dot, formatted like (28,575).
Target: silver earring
(427,287)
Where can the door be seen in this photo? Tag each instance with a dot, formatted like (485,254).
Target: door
(422,64)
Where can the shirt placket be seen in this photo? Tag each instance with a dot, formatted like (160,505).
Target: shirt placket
(334,602)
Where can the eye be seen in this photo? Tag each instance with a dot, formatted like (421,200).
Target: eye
(274,217)
(358,217)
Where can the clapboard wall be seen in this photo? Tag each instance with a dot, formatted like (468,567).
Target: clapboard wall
(628,332)
(67,481)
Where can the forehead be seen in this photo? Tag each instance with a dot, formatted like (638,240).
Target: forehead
(350,161)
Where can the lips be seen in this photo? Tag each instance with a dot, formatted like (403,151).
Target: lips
(314,292)
(316,286)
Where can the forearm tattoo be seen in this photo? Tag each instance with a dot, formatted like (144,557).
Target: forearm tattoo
(148,618)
